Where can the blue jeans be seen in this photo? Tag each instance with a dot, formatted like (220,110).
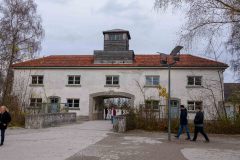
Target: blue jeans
(181,129)
(2,136)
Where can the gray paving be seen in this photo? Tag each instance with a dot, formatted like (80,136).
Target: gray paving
(139,145)
(94,140)
(56,143)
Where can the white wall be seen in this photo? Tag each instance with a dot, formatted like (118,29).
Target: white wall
(93,81)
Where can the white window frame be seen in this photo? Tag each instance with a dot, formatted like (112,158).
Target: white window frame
(73,103)
(152,80)
(194,80)
(112,80)
(37,82)
(194,105)
(74,80)
(36,103)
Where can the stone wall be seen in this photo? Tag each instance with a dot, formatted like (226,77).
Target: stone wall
(49,120)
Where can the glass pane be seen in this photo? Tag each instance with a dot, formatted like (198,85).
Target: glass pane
(70,102)
(77,81)
(71,78)
(198,81)
(70,82)
(115,80)
(34,79)
(112,37)
(191,106)
(174,103)
(148,104)
(119,37)
(155,80)
(77,78)
(39,100)
(109,80)
(198,104)
(190,80)
(155,104)
(149,81)
(32,102)
(40,79)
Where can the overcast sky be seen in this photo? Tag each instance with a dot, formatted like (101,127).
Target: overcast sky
(75,26)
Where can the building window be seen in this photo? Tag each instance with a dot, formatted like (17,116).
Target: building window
(112,80)
(115,37)
(35,102)
(194,80)
(37,80)
(73,103)
(74,80)
(152,104)
(152,80)
(192,105)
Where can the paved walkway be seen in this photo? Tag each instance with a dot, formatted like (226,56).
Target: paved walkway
(94,140)
(140,145)
(56,143)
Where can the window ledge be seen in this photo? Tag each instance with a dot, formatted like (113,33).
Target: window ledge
(191,111)
(151,86)
(73,85)
(189,86)
(36,85)
(74,109)
(108,85)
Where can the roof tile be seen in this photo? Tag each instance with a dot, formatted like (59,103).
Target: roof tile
(186,60)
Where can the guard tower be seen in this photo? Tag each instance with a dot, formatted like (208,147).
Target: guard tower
(116,48)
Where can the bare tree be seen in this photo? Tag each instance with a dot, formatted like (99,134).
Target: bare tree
(21,33)
(215,21)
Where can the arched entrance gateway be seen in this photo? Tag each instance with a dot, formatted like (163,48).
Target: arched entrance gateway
(96,101)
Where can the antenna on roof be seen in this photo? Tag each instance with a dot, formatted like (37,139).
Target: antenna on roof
(176,50)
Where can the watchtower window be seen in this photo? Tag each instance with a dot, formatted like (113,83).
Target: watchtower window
(115,37)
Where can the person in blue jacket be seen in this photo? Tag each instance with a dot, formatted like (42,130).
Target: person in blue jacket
(183,123)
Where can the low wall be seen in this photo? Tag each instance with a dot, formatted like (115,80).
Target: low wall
(49,120)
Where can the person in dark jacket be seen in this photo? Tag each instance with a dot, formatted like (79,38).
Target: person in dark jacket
(5,119)
(183,122)
(106,113)
(198,122)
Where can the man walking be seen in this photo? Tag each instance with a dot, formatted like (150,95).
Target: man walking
(198,122)
(5,119)
(183,123)
(106,113)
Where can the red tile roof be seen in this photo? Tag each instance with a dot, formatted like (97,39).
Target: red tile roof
(186,60)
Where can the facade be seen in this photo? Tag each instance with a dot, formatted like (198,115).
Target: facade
(82,82)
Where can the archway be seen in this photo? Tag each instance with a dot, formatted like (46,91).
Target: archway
(97,99)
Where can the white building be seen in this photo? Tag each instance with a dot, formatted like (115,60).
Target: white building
(84,81)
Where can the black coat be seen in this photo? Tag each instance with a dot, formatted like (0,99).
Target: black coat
(198,120)
(183,117)
(5,119)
